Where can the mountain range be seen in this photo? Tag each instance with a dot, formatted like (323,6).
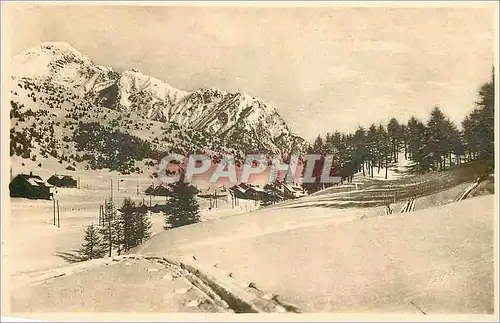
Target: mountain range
(57,81)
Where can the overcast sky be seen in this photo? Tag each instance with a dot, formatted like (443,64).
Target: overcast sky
(324,68)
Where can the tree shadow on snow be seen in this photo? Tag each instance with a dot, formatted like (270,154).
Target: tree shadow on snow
(71,257)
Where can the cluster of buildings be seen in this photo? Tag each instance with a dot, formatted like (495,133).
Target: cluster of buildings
(275,191)
(247,191)
(34,187)
(163,190)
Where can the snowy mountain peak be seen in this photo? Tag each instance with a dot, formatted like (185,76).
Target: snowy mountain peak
(62,48)
(55,49)
(47,55)
(60,63)
(237,117)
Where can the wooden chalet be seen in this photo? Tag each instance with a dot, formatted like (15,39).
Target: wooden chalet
(30,186)
(62,181)
(150,190)
(161,190)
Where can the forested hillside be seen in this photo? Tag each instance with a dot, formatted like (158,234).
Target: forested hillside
(431,145)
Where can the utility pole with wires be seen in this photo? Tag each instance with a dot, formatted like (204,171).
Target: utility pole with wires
(103,213)
(54,208)
(58,217)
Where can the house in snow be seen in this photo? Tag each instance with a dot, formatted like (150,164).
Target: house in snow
(62,181)
(239,191)
(150,190)
(274,192)
(140,209)
(248,191)
(161,190)
(30,186)
(212,192)
(255,192)
(293,191)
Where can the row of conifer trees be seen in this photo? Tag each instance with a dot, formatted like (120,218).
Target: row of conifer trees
(126,228)
(432,145)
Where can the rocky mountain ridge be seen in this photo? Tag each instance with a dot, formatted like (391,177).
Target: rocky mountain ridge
(56,82)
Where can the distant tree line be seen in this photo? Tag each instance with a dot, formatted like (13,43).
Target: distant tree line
(432,146)
(111,148)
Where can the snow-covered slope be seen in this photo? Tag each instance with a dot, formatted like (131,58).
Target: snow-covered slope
(146,95)
(237,118)
(437,260)
(60,63)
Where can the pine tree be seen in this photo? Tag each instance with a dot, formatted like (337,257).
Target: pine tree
(360,149)
(117,229)
(384,148)
(478,129)
(111,228)
(405,139)
(483,120)
(93,247)
(454,142)
(372,147)
(183,209)
(437,143)
(129,224)
(417,144)
(142,226)
(394,131)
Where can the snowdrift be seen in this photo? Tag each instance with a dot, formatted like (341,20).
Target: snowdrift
(434,261)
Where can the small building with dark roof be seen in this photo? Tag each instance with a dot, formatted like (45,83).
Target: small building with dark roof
(161,190)
(62,181)
(255,192)
(30,186)
(150,190)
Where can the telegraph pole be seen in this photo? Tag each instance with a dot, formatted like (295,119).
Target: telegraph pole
(104,211)
(58,217)
(54,208)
